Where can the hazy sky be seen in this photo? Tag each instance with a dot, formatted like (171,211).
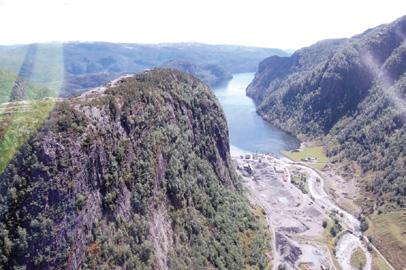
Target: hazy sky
(283,24)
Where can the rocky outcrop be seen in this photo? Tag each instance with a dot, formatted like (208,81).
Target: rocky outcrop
(288,251)
(134,175)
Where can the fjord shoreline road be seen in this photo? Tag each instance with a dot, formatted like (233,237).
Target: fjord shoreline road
(296,218)
(249,133)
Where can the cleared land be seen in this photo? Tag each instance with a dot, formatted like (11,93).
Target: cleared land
(309,152)
(295,220)
(388,231)
(301,237)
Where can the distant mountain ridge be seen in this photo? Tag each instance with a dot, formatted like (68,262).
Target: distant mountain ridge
(211,74)
(90,64)
(350,93)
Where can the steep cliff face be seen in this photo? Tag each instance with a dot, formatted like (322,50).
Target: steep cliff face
(274,70)
(136,175)
(353,91)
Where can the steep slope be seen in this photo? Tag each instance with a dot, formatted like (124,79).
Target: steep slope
(87,65)
(351,93)
(133,176)
(212,75)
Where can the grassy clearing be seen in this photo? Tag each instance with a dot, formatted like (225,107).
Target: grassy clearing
(358,259)
(313,151)
(388,233)
(17,125)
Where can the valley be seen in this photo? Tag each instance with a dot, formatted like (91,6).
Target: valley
(310,228)
(347,97)
(202,135)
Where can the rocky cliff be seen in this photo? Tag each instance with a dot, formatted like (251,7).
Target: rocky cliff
(136,175)
(351,93)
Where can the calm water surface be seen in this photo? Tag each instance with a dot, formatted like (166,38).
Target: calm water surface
(248,131)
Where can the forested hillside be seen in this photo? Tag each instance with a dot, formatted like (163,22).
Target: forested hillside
(135,176)
(351,93)
(213,75)
(84,65)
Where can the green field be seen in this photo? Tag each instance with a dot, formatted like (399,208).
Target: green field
(19,119)
(388,233)
(313,151)
(18,122)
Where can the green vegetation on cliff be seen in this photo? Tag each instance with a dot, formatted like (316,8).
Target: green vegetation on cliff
(134,177)
(350,93)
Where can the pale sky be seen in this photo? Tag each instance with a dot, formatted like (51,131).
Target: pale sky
(285,24)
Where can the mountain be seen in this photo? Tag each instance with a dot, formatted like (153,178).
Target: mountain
(213,75)
(349,93)
(78,66)
(134,175)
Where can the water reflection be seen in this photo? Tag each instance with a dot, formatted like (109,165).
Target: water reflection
(248,131)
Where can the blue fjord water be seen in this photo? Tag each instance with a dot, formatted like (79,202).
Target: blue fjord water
(248,131)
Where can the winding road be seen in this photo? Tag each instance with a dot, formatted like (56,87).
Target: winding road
(295,217)
(351,239)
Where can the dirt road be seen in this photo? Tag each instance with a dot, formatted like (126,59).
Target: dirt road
(295,217)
